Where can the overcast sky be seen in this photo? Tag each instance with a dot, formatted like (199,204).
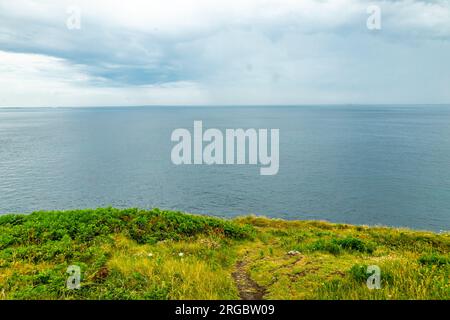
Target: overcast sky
(216,52)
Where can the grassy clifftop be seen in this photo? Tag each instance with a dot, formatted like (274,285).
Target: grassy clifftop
(136,254)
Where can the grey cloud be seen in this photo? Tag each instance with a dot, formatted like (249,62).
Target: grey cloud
(244,52)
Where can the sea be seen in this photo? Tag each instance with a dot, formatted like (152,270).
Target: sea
(361,164)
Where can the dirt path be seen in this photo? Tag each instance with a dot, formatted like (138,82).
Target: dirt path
(248,289)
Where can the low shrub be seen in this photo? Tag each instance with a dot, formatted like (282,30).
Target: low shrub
(336,246)
(434,259)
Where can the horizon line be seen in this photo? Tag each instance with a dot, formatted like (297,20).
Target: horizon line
(226,105)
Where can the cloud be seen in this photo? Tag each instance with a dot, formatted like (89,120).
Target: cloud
(224,52)
(38,80)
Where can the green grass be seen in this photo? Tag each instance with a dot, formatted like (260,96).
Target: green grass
(137,254)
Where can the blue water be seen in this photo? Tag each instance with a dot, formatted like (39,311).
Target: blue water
(375,165)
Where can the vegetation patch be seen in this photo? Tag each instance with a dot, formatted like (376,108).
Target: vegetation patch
(435,259)
(157,254)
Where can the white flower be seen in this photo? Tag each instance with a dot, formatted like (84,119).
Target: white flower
(150,254)
(181,254)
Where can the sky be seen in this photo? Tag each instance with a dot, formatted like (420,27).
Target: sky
(223,52)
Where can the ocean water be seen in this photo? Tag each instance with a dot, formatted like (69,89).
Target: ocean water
(375,165)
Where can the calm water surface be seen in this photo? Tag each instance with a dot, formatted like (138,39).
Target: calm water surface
(386,165)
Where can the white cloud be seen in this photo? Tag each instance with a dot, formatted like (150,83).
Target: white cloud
(38,80)
(182,17)
(223,52)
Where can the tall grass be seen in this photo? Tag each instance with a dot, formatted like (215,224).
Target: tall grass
(156,254)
